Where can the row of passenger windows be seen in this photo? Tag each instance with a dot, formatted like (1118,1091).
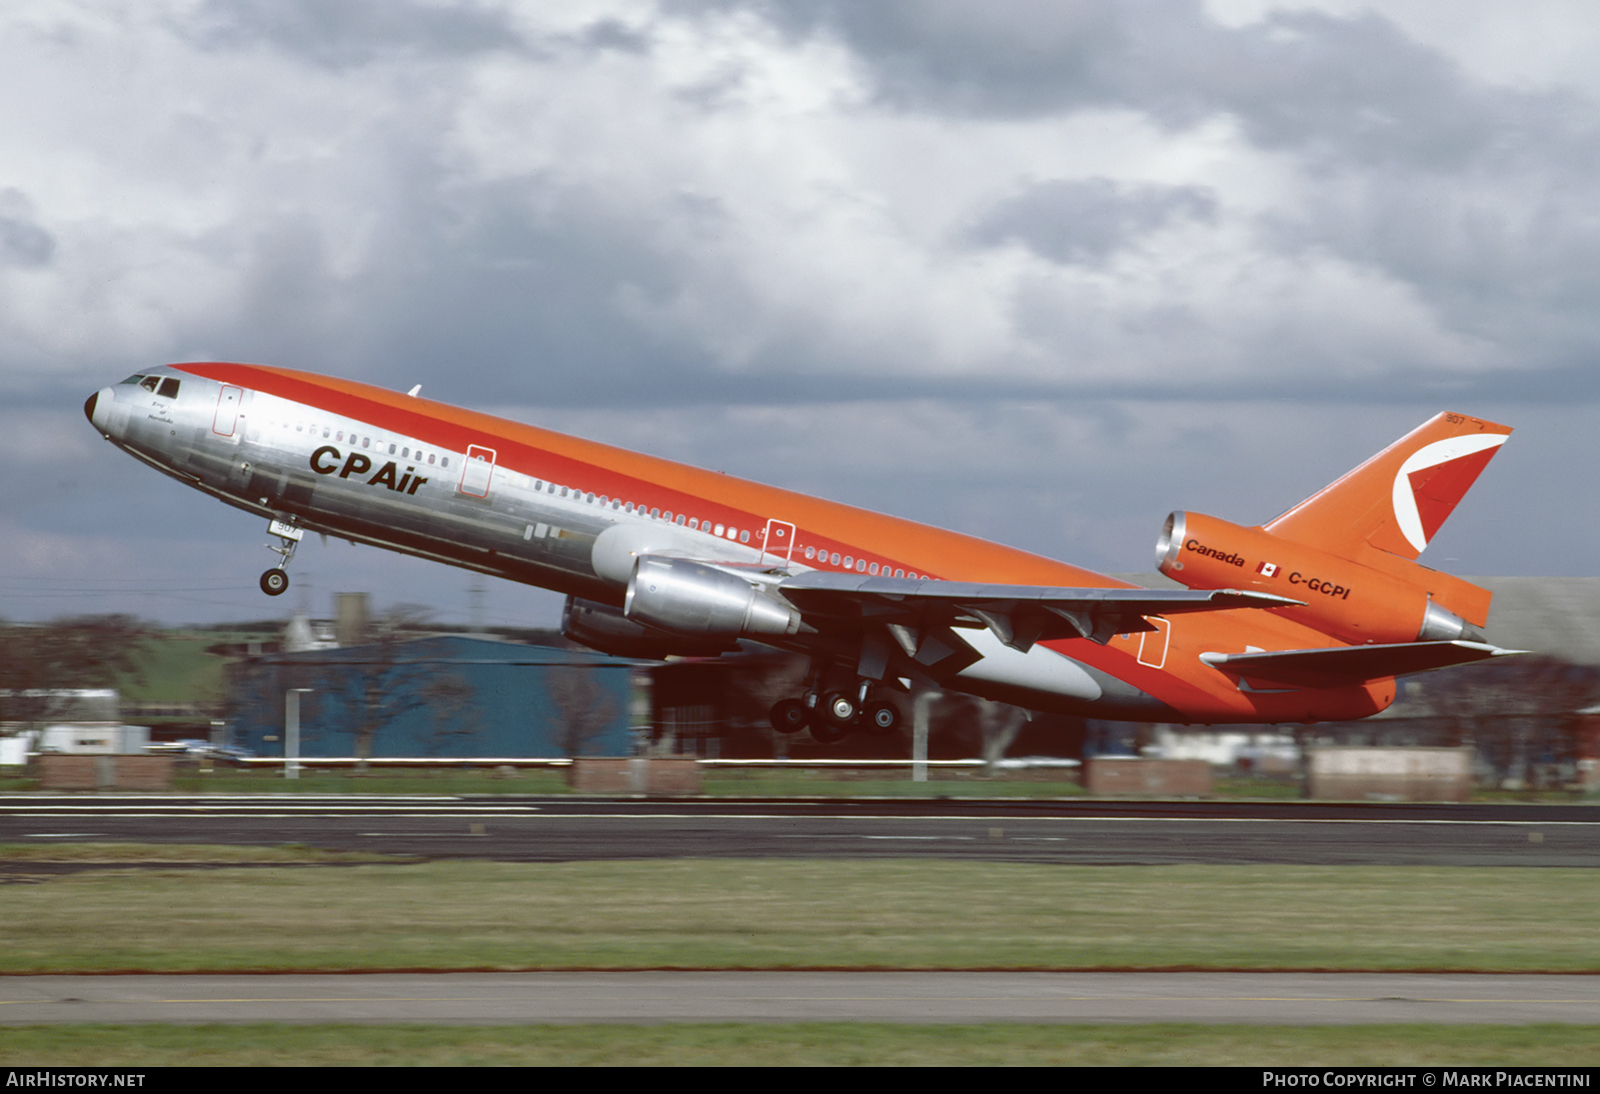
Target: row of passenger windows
(682,519)
(860,565)
(403,451)
(726,531)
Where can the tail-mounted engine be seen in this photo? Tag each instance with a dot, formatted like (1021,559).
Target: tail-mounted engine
(1352,602)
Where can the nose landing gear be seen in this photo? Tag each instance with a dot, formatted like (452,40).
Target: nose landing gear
(275,582)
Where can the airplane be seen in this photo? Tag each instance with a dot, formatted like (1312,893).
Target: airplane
(1307,618)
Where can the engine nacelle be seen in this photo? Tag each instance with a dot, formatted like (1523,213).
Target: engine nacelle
(688,597)
(604,628)
(1351,602)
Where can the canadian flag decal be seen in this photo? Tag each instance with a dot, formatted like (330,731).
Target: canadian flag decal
(1268,569)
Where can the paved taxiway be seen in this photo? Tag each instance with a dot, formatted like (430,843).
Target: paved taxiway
(566,829)
(491,998)
(571,829)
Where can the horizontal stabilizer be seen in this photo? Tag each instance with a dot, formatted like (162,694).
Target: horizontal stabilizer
(1343,665)
(1019,615)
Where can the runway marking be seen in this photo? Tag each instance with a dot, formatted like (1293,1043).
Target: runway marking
(921,997)
(246,810)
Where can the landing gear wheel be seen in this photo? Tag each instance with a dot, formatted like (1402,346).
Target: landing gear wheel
(825,732)
(789,715)
(839,709)
(882,717)
(274,582)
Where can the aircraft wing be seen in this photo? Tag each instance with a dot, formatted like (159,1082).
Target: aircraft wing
(1019,615)
(1351,664)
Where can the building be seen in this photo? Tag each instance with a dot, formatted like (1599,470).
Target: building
(439,696)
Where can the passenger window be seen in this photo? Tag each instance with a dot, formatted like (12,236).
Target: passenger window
(873,569)
(366,442)
(811,552)
(680,518)
(391,450)
(169,388)
(444,461)
(430,459)
(744,535)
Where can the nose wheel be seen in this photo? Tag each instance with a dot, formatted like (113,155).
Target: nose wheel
(275,582)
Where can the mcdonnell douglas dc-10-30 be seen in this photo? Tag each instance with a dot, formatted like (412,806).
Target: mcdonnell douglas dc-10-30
(1307,618)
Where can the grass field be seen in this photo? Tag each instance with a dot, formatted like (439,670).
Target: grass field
(312,912)
(804,1043)
(176,908)
(721,783)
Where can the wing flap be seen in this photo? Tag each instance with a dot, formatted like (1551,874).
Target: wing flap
(1018,615)
(1343,665)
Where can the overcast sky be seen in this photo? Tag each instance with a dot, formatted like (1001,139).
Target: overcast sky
(1041,272)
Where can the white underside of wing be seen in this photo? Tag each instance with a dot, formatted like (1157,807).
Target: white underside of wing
(1040,669)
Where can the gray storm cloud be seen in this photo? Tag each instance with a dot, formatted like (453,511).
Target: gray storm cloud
(1037,227)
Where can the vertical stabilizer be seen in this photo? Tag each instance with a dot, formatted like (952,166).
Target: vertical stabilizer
(1397,500)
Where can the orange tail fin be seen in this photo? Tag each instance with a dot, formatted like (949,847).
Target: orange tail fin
(1397,500)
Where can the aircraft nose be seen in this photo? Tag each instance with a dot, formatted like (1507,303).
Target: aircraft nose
(97,408)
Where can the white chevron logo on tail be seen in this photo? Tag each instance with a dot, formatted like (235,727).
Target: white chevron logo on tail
(1407,515)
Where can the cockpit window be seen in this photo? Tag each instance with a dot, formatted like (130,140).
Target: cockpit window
(134,379)
(169,388)
(150,383)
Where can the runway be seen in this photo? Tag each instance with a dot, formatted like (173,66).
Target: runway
(902,997)
(1081,832)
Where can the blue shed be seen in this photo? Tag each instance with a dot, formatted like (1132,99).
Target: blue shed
(443,696)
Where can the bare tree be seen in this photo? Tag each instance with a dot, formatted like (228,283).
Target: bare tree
(1510,708)
(90,651)
(382,685)
(583,707)
(1000,723)
(453,711)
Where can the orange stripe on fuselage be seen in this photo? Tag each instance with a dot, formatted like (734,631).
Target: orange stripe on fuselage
(1186,683)
(602,469)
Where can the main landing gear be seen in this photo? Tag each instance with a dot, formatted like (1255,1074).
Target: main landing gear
(834,715)
(275,582)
